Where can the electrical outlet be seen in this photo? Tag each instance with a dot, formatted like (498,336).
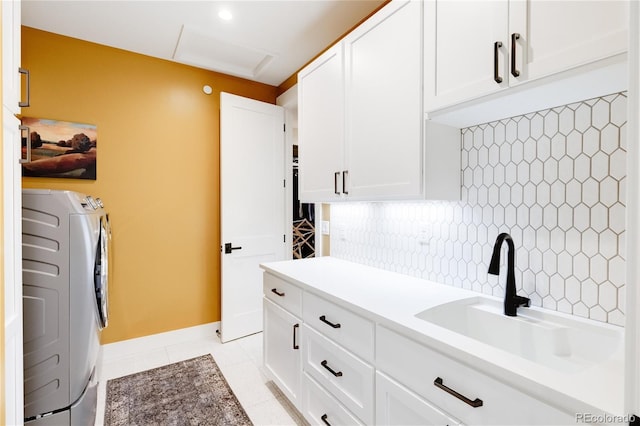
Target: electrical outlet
(325,227)
(341,230)
(424,235)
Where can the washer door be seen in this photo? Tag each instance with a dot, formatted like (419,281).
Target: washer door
(101,272)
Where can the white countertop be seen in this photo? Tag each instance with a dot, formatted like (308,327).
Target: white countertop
(392,300)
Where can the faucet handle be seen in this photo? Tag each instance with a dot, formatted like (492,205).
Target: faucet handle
(512,304)
(522,301)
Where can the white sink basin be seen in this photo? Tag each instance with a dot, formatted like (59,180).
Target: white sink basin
(556,340)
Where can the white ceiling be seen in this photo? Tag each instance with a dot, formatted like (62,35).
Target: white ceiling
(266,41)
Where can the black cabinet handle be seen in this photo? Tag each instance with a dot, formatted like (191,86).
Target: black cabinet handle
(514,37)
(345,173)
(496,72)
(475,403)
(331,370)
(324,420)
(281,294)
(295,344)
(324,320)
(335,183)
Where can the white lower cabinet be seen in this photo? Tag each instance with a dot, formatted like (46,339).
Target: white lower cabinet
(457,389)
(281,350)
(341,368)
(397,405)
(320,407)
(348,378)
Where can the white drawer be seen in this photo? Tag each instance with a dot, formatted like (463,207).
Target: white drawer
(346,328)
(319,407)
(398,406)
(417,367)
(283,293)
(345,376)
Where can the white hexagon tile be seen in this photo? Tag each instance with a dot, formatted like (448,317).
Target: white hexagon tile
(554,179)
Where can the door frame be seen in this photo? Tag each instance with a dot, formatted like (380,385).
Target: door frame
(632,327)
(289,101)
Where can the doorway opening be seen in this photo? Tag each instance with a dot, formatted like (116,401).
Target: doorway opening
(303,244)
(304,221)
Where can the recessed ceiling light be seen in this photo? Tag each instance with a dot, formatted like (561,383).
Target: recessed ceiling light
(225,15)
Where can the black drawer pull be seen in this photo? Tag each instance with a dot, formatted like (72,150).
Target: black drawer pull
(496,71)
(324,420)
(281,294)
(514,38)
(475,403)
(324,320)
(345,173)
(331,370)
(295,344)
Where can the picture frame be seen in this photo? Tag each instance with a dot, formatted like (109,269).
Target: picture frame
(60,149)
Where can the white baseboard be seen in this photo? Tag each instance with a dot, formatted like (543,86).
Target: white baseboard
(131,347)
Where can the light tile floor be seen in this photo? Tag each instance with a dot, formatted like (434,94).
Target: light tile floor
(240,362)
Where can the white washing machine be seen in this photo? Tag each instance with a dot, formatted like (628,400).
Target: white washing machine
(65,262)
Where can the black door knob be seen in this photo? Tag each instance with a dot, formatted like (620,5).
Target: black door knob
(228,248)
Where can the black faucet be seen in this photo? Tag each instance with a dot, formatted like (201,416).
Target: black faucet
(511,300)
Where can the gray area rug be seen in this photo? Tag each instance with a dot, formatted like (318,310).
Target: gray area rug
(191,392)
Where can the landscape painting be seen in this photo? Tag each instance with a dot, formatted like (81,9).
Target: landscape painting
(60,149)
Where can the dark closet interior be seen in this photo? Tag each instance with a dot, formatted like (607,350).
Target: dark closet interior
(304,232)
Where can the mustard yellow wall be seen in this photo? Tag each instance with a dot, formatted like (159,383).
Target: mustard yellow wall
(157,172)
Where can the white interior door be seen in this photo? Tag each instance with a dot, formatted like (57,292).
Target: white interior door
(12,270)
(252,177)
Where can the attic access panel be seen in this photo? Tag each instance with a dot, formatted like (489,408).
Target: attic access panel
(196,47)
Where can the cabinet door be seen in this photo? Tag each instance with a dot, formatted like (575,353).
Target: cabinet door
(11,55)
(397,405)
(560,35)
(281,350)
(460,38)
(384,104)
(11,314)
(12,275)
(321,127)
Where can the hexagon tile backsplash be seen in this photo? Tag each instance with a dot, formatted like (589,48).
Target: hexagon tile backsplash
(554,179)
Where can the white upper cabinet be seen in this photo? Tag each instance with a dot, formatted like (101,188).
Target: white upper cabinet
(559,35)
(383,61)
(473,49)
(321,127)
(361,126)
(462,59)
(11,55)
